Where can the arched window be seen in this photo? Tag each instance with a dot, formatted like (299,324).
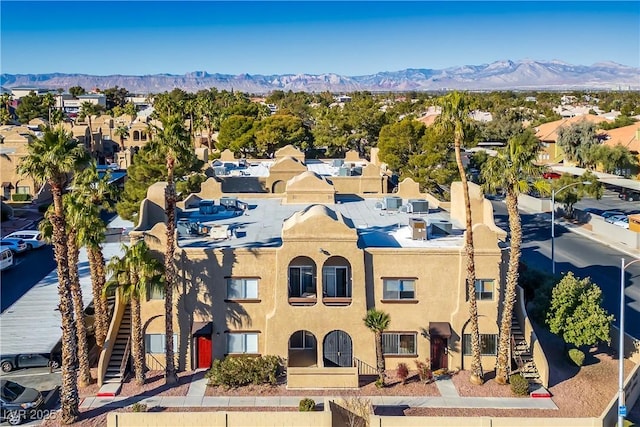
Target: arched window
(302,281)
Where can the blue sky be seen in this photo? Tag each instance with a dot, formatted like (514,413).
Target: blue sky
(268,37)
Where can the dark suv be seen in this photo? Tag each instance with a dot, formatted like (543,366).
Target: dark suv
(629,195)
(18,402)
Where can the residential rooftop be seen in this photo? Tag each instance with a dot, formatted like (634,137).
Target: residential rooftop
(259,222)
(260,168)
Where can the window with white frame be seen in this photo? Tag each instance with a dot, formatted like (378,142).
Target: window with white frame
(242,288)
(398,343)
(154,343)
(301,281)
(23,189)
(242,343)
(484,289)
(488,344)
(302,340)
(155,292)
(398,289)
(335,281)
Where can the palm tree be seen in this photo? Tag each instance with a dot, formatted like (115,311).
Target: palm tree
(51,159)
(48,101)
(94,194)
(88,109)
(172,140)
(133,275)
(122,132)
(378,321)
(511,169)
(72,213)
(455,117)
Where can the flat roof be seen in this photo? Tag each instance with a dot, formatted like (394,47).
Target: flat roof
(260,168)
(261,225)
(606,178)
(35,315)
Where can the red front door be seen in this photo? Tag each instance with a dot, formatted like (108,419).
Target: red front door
(439,359)
(204,352)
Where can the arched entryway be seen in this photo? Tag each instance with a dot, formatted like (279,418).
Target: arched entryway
(279,187)
(337,350)
(303,349)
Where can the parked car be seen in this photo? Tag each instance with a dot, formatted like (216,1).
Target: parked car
(17,246)
(9,362)
(613,218)
(18,402)
(6,258)
(607,214)
(629,195)
(33,238)
(551,175)
(621,222)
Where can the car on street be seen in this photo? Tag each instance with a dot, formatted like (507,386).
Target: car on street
(17,246)
(33,238)
(10,362)
(18,402)
(607,214)
(551,175)
(629,195)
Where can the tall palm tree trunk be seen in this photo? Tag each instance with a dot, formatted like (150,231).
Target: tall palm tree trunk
(503,362)
(98,280)
(477,376)
(136,340)
(84,378)
(170,195)
(69,402)
(379,356)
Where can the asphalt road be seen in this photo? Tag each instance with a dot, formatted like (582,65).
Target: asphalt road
(584,257)
(29,268)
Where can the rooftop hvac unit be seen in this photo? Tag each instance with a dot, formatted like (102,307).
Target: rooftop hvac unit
(229,202)
(442,228)
(219,232)
(219,170)
(356,171)
(392,203)
(418,228)
(418,206)
(207,207)
(338,162)
(344,171)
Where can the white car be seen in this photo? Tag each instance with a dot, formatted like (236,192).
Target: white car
(622,222)
(33,238)
(614,218)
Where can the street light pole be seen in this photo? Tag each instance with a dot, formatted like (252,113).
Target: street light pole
(553,221)
(622,409)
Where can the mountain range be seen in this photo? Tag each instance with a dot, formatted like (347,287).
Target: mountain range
(499,75)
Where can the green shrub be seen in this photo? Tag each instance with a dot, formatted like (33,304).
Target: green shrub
(20,197)
(402,371)
(243,370)
(306,405)
(379,382)
(519,385)
(576,356)
(139,407)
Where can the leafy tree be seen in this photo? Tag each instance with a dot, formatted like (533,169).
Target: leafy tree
(576,313)
(130,109)
(571,195)
(51,159)
(378,322)
(435,165)
(511,170)
(277,131)
(30,107)
(122,132)
(133,274)
(619,122)
(399,141)
(237,133)
(576,142)
(455,117)
(76,91)
(617,159)
(115,96)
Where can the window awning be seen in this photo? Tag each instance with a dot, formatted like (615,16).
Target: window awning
(439,329)
(202,328)
(7,184)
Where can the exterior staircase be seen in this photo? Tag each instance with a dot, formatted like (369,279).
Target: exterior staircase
(118,363)
(521,353)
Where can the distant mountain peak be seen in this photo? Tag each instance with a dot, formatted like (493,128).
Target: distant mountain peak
(505,74)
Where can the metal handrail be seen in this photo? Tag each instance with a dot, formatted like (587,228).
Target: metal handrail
(125,357)
(364,368)
(156,360)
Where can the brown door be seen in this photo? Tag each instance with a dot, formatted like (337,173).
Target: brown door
(439,359)
(204,352)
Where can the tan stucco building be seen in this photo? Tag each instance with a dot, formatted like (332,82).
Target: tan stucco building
(293,274)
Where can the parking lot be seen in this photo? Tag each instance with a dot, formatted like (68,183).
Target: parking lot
(43,380)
